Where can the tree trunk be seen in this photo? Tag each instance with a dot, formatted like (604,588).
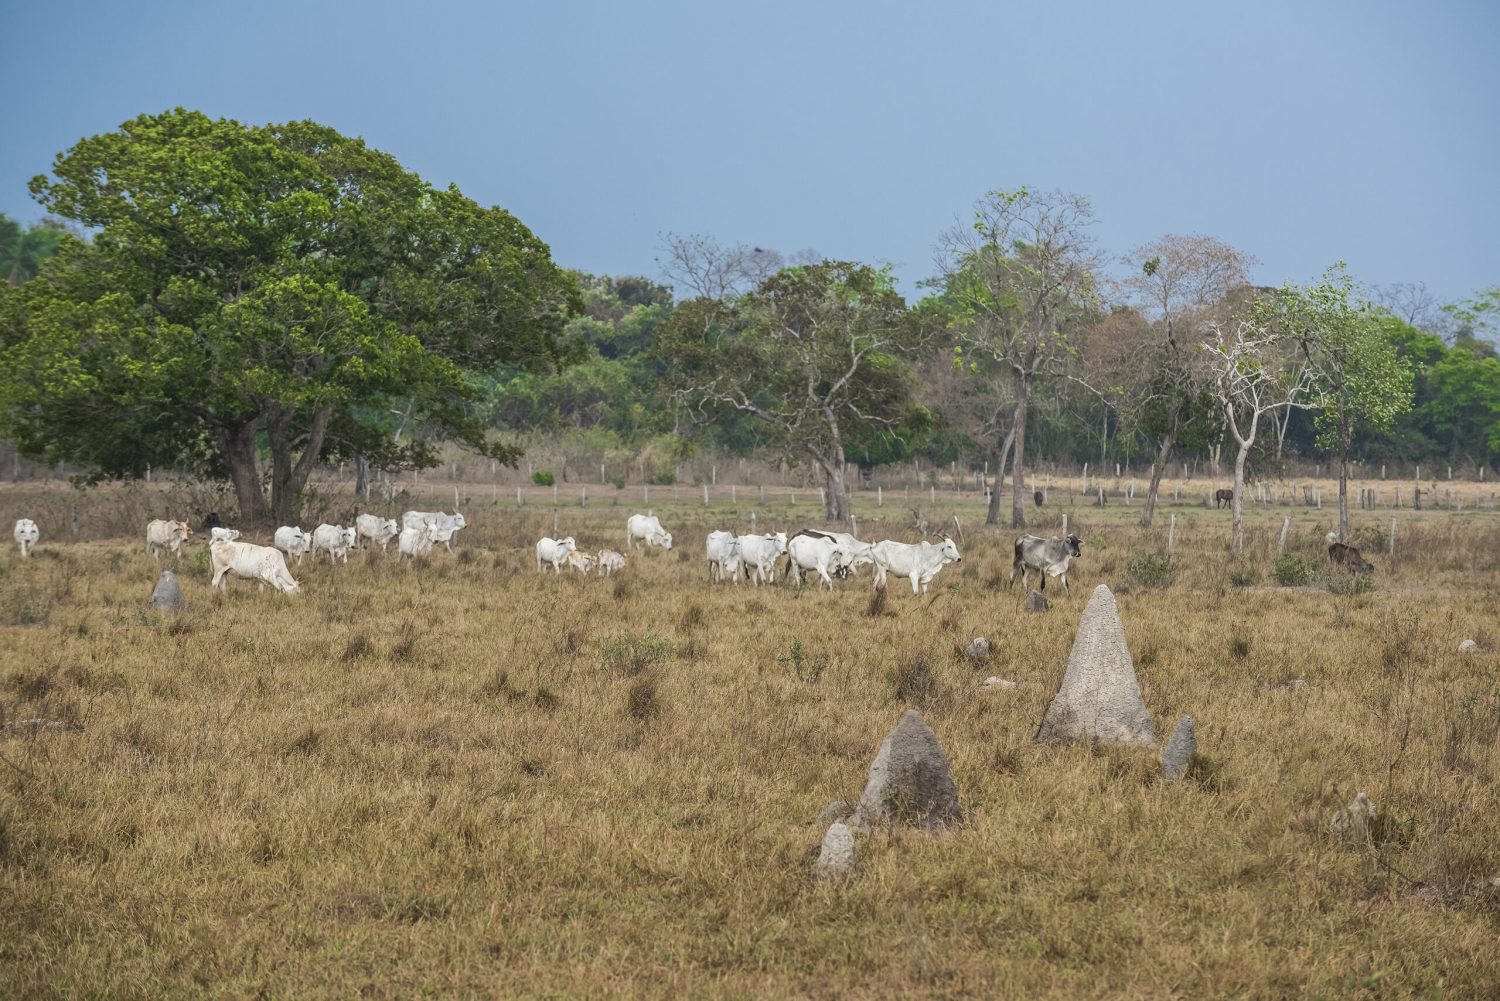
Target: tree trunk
(1158,467)
(1344,438)
(1018,467)
(992,516)
(1236,506)
(835,500)
(361,477)
(238,447)
(288,479)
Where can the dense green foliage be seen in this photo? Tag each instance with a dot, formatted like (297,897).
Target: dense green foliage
(279,288)
(22,251)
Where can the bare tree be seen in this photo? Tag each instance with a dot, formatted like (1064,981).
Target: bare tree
(700,266)
(1254,373)
(1415,305)
(1018,278)
(1178,283)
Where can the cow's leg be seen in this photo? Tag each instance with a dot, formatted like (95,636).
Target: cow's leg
(823,574)
(916,581)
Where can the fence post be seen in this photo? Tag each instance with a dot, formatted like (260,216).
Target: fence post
(1286,523)
(554,523)
(1392,548)
(879,498)
(583,497)
(518,497)
(1171,533)
(705,495)
(1065,524)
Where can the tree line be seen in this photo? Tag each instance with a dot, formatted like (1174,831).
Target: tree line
(256,300)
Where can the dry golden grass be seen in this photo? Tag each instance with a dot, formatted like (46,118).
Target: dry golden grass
(466,778)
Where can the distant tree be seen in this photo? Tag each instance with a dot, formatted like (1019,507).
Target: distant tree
(1177,283)
(1360,381)
(699,266)
(1477,317)
(818,354)
(23,251)
(282,285)
(1255,369)
(1415,305)
(1018,280)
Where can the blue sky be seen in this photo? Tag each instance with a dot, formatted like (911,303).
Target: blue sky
(1302,133)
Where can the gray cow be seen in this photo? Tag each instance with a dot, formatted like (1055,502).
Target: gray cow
(1049,557)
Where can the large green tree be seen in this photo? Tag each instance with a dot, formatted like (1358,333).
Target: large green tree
(818,354)
(1361,381)
(277,289)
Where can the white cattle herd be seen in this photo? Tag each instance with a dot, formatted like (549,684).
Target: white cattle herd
(729,556)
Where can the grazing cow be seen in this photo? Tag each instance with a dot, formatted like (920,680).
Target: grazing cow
(647,529)
(293,541)
(1223,498)
(1349,558)
(166,535)
(554,551)
(248,561)
(26,535)
(809,552)
(416,540)
(723,550)
(856,553)
(920,562)
(447,524)
(758,555)
(376,529)
(582,562)
(1049,557)
(610,561)
(221,534)
(336,540)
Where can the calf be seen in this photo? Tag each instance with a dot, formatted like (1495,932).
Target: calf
(248,561)
(1349,558)
(582,562)
(1049,557)
(809,552)
(26,536)
(723,551)
(416,540)
(1222,498)
(554,551)
(293,541)
(166,535)
(376,529)
(610,561)
(336,540)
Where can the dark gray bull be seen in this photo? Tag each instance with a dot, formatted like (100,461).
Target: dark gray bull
(1049,557)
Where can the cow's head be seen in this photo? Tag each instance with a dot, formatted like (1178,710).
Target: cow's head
(390,527)
(458,520)
(949,551)
(664,539)
(780,539)
(349,536)
(1075,545)
(183,529)
(568,544)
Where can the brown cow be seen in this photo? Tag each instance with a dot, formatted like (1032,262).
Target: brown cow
(1223,497)
(1349,558)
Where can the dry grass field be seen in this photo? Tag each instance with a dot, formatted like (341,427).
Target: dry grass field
(465,778)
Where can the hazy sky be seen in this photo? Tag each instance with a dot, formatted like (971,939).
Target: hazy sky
(1299,132)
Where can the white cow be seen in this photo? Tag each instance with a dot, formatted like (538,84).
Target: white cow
(166,535)
(758,555)
(221,534)
(610,561)
(447,524)
(376,529)
(248,561)
(291,540)
(416,540)
(335,540)
(554,551)
(920,562)
(582,562)
(857,553)
(26,535)
(723,556)
(646,528)
(814,553)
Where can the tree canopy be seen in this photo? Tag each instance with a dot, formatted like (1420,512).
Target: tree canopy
(280,286)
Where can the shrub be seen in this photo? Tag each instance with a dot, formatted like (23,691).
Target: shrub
(543,478)
(662,478)
(1348,583)
(1294,570)
(1244,575)
(1151,570)
(630,655)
